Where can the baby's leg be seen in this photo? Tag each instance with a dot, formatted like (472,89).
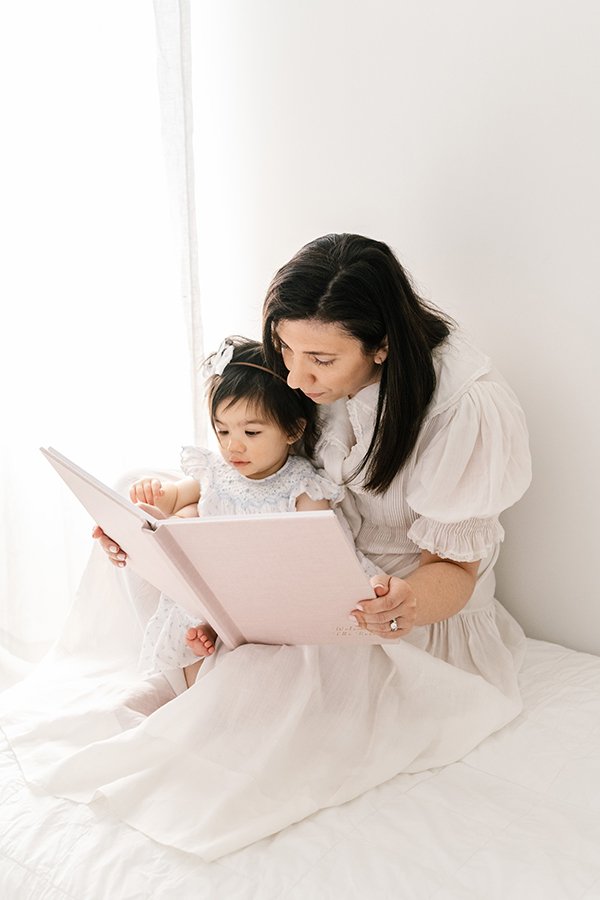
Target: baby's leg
(191,672)
(201,639)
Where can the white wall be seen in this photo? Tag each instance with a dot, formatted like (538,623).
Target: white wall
(466,135)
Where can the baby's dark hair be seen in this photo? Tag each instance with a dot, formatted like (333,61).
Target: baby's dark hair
(245,378)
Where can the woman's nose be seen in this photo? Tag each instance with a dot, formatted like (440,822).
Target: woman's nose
(297,377)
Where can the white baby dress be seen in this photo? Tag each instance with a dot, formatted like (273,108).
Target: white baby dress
(270,734)
(226,492)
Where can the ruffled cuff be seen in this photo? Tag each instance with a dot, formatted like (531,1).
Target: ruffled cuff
(322,488)
(465,541)
(318,487)
(196,461)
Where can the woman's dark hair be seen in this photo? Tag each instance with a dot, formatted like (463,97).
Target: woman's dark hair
(286,407)
(358,284)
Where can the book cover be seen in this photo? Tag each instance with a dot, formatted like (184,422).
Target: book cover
(286,578)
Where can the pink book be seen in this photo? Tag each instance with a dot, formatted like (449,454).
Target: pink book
(286,578)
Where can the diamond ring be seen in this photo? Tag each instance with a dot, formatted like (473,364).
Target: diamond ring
(393,625)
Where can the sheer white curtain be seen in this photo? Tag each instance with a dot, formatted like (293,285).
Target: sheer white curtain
(96,351)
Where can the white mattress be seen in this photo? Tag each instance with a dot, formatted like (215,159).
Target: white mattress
(519,817)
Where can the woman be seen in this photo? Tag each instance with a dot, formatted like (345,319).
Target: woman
(429,440)
(430,445)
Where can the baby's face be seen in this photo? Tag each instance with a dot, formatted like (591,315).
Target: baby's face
(249,442)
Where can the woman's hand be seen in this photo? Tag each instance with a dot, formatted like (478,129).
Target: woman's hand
(395,602)
(117,556)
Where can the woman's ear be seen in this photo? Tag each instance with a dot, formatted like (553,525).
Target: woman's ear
(381,353)
(292,438)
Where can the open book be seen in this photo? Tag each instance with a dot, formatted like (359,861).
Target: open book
(287,578)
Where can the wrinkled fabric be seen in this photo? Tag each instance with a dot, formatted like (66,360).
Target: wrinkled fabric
(269,734)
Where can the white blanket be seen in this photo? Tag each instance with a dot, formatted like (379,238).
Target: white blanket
(518,817)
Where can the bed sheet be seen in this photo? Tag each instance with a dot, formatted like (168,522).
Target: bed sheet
(518,817)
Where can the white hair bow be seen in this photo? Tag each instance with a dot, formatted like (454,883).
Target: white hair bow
(216,362)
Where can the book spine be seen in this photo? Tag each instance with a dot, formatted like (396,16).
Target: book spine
(221,621)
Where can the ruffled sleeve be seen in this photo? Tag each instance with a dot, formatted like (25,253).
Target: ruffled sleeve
(199,464)
(304,479)
(472,462)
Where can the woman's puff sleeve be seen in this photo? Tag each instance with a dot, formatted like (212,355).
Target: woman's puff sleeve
(472,462)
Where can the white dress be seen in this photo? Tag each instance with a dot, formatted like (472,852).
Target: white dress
(226,492)
(471,462)
(269,734)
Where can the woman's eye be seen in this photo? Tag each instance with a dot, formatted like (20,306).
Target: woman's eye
(322,362)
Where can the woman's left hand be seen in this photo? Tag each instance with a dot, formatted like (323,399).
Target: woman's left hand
(395,602)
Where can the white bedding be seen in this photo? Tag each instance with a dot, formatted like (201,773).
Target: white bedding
(519,817)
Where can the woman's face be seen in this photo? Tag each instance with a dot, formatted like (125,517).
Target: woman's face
(324,361)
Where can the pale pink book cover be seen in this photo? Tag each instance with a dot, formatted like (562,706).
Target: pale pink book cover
(288,578)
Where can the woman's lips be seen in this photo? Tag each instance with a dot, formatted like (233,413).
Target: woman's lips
(314,396)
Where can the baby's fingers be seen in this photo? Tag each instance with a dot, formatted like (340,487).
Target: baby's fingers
(146,490)
(157,489)
(136,492)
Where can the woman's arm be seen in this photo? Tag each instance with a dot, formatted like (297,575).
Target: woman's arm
(442,587)
(436,590)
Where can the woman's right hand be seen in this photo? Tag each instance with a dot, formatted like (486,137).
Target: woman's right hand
(117,556)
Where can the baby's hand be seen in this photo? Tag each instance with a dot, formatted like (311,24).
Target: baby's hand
(155,493)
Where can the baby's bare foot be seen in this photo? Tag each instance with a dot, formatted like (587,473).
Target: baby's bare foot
(201,639)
